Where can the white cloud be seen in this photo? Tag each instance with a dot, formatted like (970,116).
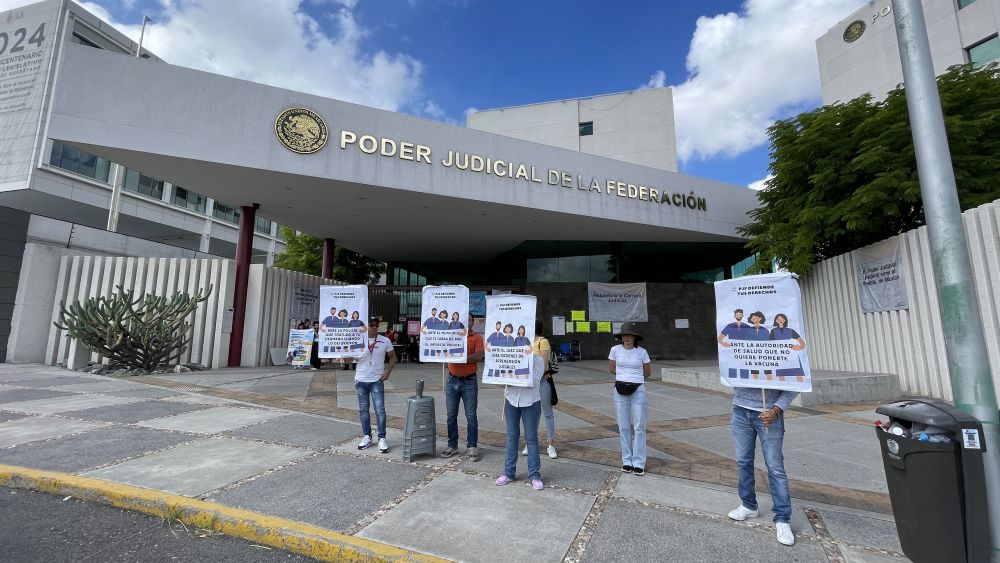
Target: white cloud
(746,70)
(277,42)
(657,80)
(760,184)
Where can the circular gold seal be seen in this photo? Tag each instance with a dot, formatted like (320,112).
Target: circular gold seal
(854,31)
(301,130)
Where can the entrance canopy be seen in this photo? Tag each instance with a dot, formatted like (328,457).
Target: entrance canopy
(389,185)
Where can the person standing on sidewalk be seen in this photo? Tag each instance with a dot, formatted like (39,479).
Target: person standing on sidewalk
(541,347)
(314,361)
(753,419)
(523,403)
(630,365)
(462,384)
(369,382)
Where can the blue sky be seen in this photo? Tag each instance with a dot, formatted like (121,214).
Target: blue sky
(735,66)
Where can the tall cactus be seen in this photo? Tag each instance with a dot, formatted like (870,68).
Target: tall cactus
(138,332)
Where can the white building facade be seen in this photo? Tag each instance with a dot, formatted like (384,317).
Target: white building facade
(860,54)
(636,127)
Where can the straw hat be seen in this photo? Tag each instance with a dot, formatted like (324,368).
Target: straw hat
(630,328)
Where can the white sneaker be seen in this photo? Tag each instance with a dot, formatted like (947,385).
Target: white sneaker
(552,452)
(383,446)
(524,451)
(365,442)
(785,535)
(742,513)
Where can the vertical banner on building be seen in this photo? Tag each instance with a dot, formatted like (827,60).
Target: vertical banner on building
(28,37)
(300,344)
(510,331)
(760,332)
(344,325)
(881,279)
(618,302)
(305,302)
(444,314)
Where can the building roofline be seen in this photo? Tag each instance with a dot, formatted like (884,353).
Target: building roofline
(571,99)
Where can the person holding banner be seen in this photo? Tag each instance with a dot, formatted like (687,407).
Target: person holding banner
(523,404)
(369,382)
(630,364)
(463,385)
(753,419)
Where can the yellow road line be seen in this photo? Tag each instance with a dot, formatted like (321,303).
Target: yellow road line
(304,539)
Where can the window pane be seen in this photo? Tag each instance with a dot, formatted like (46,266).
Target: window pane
(56,157)
(263,225)
(131,180)
(226,213)
(88,164)
(964,3)
(103,171)
(70,159)
(586,128)
(985,52)
(602,269)
(543,269)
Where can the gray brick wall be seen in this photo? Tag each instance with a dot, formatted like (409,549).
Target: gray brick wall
(666,301)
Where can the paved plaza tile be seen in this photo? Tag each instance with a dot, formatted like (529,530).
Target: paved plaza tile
(864,530)
(300,430)
(135,412)
(199,467)
(53,381)
(213,420)
(98,447)
(395,439)
(560,472)
(615,445)
(144,392)
(68,403)
(31,429)
(199,400)
(103,386)
(341,490)
(468,518)
(13,395)
(5,416)
(629,531)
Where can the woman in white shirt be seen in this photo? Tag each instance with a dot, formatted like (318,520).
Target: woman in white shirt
(630,365)
(523,403)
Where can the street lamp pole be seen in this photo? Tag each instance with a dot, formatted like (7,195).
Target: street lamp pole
(961,321)
(145,20)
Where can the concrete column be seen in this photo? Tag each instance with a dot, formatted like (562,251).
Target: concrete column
(244,253)
(116,196)
(329,245)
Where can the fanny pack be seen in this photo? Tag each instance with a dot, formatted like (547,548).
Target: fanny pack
(625,388)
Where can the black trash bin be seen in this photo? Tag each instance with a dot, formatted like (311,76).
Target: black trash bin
(937,488)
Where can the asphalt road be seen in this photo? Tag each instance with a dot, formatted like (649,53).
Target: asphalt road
(41,527)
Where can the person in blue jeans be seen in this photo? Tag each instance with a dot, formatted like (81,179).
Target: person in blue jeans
(523,404)
(630,364)
(756,418)
(462,385)
(369,382)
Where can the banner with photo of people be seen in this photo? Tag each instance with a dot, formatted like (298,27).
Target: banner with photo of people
(760,331)
(510,332)
(343,314)
(444,314)
(300,344)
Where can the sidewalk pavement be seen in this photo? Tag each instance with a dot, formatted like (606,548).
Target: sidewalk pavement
(277,448)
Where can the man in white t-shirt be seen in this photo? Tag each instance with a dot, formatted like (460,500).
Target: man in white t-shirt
(369,383)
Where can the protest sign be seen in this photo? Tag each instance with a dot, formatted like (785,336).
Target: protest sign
(510,324)
(343,330)
(445,312)
(622,302)
(300,344)
(881,279)
(760,332)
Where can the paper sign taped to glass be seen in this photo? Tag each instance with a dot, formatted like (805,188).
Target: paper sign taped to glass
(760,331)
(299,347)
(509,338)
(444,314)
(343,329)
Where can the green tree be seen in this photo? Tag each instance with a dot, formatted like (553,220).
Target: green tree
(845,175)
(304,253)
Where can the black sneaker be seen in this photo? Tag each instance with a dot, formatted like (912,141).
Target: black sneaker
(638,471)
(626,469)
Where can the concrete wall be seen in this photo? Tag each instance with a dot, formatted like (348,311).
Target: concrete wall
(666,303)
(635,127)
(872,64)
(909,343)
(13,233)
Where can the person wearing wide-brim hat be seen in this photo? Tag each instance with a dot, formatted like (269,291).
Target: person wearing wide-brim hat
(630,365)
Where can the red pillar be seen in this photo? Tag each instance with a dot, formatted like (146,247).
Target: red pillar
(329,245)
(244,250)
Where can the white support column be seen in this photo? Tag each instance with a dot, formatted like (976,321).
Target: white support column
(114,204)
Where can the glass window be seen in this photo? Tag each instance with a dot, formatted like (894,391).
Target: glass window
(138,182)
(226,213)
(984,52)
(964,3)
(263,225)
(570,269)
(81,40)
(80,162)
(189,200)
(586,128)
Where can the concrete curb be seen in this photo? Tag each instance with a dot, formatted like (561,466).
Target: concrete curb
(304,539)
